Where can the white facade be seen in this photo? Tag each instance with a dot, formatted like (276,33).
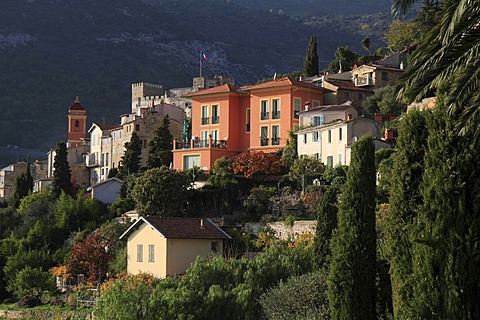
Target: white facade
(331,142)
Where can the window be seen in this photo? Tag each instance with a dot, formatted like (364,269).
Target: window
(305,138)
(275,108)
(106,159)
(296,107)
(151,253)
(248,121)
(340,134)
(103,160)
(329,136)
(139,252)
(339,158)
(215,117)
(330,161)
(317,156)
(137,127)
(275,135)
(264,136)
(204,139)
(77,123)
(191,161)
(215,246)
(214,136)
(264,110)
(120,135)
(114,136)
(316,103)
(205,115)
(317,120)
(315,136)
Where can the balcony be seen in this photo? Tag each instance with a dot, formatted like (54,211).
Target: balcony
(215,120)
(264,116)
(205,120)
(276,115)
(200,144)
(275,141)
(364,81)
(263,142)
(91,161)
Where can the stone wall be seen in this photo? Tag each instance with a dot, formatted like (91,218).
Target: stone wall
(283,231)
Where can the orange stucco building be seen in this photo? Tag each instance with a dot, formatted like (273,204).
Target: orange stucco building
(227,120)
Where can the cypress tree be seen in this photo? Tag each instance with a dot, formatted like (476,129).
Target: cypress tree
(351,286)
(131,157)
(405,200)
(62,178)
(310,64)
(445,251)
(161,146)
(23,185)
(326,223)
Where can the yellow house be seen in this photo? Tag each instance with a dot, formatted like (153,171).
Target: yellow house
(167,246)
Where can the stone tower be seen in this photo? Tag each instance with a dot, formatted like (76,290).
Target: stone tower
(144,95)
(77,124)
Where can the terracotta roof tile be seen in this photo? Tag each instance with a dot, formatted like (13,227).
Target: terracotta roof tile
(220,89)
(186,228)
(282,83)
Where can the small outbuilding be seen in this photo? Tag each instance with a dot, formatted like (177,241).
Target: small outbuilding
(107,191)
(165,246)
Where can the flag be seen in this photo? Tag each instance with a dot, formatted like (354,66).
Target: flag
(204,56)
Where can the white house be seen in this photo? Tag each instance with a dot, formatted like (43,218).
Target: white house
(331,142)
(107,191)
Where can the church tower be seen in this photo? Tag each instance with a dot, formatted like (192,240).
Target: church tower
(77,124)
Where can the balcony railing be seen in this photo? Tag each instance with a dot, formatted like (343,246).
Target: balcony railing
(182,145)
(275,141)
(364,81)
(276,115)
(263,142)
(206,120)
(198,144)
(215,120)
(91,161)
(263,115)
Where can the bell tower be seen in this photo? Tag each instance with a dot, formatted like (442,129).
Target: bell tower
(77,124)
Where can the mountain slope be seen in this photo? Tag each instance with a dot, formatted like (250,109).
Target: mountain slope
(52,51)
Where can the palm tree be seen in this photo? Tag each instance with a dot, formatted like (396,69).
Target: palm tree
(449,53)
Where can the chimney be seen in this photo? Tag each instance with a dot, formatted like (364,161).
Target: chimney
(307,105)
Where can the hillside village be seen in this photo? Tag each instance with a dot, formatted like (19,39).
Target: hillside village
(311,195)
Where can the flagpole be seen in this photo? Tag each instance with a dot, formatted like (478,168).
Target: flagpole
(201,64)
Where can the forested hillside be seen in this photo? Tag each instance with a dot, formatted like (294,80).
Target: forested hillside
(52,51)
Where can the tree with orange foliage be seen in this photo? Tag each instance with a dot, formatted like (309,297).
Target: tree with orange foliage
(90,257)
(250,163)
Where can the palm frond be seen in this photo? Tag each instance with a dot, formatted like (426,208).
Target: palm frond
(400,7)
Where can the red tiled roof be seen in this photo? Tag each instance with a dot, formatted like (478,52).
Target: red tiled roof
(108,126)
(76,105)
(186,228)
(220,89)
(334,107)
(347,85)
(282,83)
